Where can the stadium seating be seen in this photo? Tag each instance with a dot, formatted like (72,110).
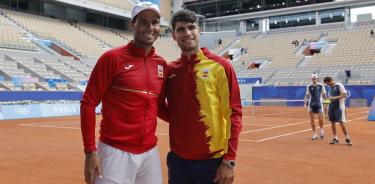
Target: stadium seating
(225,42)
(78,41)
(13,37)
(43,68)
(9,69)
(68,72)
(122,4)
(111,37)
(166,47)
(286,58)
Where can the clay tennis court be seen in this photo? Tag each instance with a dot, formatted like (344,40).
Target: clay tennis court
(275,147)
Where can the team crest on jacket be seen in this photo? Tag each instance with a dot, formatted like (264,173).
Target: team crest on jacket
(160,71)
(205,73)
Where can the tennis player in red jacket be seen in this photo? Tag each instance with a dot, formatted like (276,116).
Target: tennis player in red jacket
(127,81)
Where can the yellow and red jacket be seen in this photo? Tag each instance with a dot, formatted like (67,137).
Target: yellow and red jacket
(204,107)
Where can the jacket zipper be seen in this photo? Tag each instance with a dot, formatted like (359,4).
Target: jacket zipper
(189,109)
(146,110)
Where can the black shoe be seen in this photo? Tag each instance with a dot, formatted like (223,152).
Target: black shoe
(348,142)
(334,141)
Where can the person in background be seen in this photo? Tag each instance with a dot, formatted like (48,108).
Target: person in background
(336,109)
(315,94)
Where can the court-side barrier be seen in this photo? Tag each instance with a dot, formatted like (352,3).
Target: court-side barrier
(40,110)
(39,95)
(371,113)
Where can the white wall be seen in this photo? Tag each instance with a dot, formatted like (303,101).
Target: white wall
(354,12)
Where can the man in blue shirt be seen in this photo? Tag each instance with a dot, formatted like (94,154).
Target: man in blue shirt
(315,93)
(336,109)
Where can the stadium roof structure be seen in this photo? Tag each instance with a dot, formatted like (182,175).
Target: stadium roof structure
(105,9)
(296,9)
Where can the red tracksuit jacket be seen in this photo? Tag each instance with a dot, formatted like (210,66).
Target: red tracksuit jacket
(128,84)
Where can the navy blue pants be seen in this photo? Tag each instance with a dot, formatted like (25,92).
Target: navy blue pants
(181,171)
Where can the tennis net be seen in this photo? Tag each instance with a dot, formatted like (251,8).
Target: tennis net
(276,108)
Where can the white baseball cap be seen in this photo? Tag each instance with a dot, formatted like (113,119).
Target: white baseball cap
(145,5)
(314,76)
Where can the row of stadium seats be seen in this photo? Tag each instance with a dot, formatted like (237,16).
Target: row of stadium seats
(112,37)
(224,43)
(277,49)
(307,29)
(353,45)
(11,36)
(122,4)
(49,72)
(168,48)
(53,29)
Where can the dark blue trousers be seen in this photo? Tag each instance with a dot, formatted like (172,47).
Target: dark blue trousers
(181,171)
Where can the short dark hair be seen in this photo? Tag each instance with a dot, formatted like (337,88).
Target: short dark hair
(183,16)
(327,79)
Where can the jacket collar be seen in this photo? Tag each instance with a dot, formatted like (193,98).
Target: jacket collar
(203,51)
(139,51)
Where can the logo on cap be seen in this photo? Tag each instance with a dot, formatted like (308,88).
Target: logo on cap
(146,5)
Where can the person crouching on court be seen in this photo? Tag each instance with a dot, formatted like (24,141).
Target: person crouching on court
(127,80)
(205,113)
(315,93)
(336,109)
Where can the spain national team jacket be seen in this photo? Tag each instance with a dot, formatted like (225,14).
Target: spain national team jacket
(128,84)
(204,105)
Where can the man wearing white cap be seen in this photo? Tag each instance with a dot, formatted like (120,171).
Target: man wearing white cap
(128,81)
(315,92)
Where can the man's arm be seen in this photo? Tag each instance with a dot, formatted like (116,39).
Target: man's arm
(307,96)
(231,104)
(163,112)
(324,91)
(100,80)
(230,85)
(343,92)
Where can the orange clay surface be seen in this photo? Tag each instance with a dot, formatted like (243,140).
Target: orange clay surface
(271,150)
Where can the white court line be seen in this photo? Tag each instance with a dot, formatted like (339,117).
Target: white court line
(247,140)
(349,114)
(257,124)
(48,123)
(73,128)
(57,123)
(52,126)
(247,116)
(292,133)
(280,126)
(275,113)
